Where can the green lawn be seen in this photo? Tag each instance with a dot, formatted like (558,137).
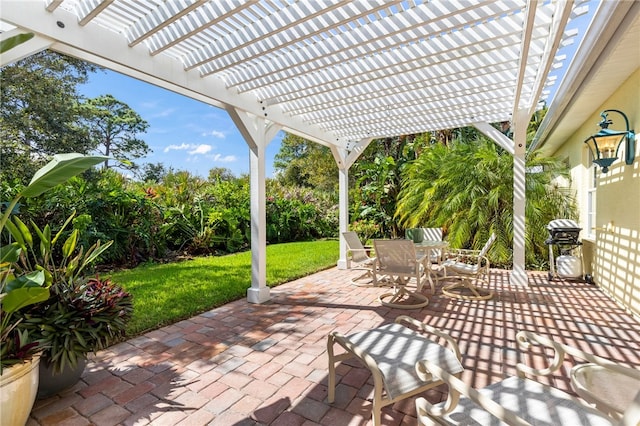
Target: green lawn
(166,293)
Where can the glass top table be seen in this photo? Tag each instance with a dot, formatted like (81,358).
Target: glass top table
(429,248)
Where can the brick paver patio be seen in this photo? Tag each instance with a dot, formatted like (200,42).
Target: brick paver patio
(245,364)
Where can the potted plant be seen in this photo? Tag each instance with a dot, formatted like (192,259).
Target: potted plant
(81,315)
(20,288)
(19,355)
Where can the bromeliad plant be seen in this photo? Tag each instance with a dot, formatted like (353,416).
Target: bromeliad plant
(22,286)
(79,318)
(81,315)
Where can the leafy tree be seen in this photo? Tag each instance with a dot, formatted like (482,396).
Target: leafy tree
(113,129)
(304,163)
(154,172)
(378,175)
(467,188)
(218,174)
(39,114)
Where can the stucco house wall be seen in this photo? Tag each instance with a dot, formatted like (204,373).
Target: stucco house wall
(611,250)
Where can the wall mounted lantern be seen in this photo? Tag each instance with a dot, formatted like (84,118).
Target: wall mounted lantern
(606,143)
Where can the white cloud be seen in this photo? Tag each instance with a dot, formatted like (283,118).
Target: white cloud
(192,149)
(178,147)
(201,149)
(218,158)
(215,133)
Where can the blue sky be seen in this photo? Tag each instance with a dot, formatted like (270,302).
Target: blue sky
(183,133)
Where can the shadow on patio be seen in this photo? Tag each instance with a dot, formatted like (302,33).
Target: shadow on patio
(245,364)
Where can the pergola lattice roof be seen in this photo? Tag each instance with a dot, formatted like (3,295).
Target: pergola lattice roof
(334,71)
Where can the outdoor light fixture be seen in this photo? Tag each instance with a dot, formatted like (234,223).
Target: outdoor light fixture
(605,144)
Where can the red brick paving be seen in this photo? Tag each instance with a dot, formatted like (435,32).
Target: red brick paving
(244,364)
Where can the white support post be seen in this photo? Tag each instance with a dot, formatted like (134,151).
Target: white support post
(343,204)
(344,160)
(257,132)
(259,292)
(517,148)
(519,274)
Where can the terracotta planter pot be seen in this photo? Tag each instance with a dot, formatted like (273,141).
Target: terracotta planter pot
(51,384)
(18,388)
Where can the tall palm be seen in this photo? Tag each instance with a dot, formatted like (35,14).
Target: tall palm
(467,188)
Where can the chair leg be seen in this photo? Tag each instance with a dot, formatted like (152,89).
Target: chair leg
(400,294)
(368,275)
(332,371)
(457,289)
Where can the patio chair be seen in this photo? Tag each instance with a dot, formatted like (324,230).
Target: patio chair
(396,265)
(519,400)
(360,258)
(390,352)
(467,267)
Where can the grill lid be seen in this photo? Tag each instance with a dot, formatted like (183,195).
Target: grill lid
(564,232)
(563,224)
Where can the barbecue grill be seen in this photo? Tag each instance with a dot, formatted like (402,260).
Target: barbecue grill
(564,234)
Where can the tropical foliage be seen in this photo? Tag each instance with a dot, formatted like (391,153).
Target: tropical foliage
(24,282)
(182,215)
(79,318)
(467,188)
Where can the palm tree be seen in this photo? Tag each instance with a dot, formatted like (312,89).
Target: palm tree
(467,188)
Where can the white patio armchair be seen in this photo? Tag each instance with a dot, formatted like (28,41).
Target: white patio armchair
(467,267)
(398,266)
(360,258)
(526,400)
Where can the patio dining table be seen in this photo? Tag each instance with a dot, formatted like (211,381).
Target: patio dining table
(428,248)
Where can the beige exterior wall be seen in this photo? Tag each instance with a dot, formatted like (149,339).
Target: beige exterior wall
(612,253)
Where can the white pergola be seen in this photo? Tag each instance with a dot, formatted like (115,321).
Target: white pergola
(339,73)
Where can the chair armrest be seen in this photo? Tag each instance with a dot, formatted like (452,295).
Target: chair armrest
(526,339)
(364,357)
(428,370)
(358,250)
(369,255)
(426,328)
(631,416)
(467,252)
(341,339)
